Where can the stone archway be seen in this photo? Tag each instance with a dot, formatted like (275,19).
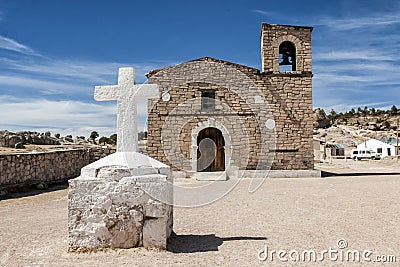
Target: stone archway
(211,123)
(298,47)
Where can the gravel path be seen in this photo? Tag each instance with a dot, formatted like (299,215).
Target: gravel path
(284,214)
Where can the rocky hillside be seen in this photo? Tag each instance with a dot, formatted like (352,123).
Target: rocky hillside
(20,139)
(352,128)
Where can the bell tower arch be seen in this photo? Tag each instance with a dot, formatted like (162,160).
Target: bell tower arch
(286,49)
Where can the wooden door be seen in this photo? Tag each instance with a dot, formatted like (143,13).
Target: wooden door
(210,152)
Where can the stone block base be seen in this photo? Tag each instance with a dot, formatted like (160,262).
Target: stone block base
(115,209)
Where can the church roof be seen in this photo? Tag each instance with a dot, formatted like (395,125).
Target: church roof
(210,59)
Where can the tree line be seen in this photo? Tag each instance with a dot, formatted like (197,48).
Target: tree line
(333,115)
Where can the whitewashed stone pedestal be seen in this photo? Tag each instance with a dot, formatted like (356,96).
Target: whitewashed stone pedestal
(120,202)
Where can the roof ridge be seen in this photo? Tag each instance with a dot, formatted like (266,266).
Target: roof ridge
(206,58)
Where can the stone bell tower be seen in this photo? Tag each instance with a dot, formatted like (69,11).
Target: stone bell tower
(287,72)
(286,49)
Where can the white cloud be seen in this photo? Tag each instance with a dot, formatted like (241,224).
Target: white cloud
(352,66)
(66,117)
(84,70)
(344,107)
(36,77)
(44,76)
(262,12)
(12,45)
(354,61)
(364,54)
(354,81)
(356,75)
(339,78)
(43,86)
(346,24)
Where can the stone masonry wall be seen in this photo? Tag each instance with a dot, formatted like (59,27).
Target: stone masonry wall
(289,98)
(292,98)
(46,167)
(239,126)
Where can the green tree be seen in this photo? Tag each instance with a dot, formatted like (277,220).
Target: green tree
(103,140)
(113,139)
(373,111)
(332,116)
(393,110)
(365,111)
(94,135)
(141,135)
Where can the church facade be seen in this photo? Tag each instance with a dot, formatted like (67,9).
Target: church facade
(216,115)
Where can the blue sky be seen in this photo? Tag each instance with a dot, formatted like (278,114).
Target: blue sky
(53,53)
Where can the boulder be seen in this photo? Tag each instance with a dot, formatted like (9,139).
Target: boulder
(19,145)
(320,119)
(50,141)
(36,139)
(4,140)
(13,140)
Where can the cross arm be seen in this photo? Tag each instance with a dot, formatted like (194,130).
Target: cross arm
(109,92)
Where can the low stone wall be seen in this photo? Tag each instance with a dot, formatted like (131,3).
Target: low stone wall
(97,153)
(46,167)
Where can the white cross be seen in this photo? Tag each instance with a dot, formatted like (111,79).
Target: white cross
(126,93)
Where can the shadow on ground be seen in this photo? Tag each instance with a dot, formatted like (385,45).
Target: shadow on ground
(201,243)
(31,190)
(333,174)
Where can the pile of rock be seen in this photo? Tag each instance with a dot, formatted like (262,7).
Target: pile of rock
(338,135)
(79,140)
(19,139)
(383,122)
(320,120)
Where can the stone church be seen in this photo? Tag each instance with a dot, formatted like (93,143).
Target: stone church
(216,115)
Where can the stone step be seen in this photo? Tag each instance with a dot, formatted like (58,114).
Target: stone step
(210,176)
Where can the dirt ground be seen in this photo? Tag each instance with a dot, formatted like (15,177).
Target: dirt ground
(360,205)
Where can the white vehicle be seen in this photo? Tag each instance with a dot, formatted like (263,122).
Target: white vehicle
(364,154)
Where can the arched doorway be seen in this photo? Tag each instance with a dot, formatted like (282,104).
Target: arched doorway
(210,150)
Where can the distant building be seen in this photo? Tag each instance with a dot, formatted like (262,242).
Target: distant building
(329,150)
(386,147)
(335,150)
